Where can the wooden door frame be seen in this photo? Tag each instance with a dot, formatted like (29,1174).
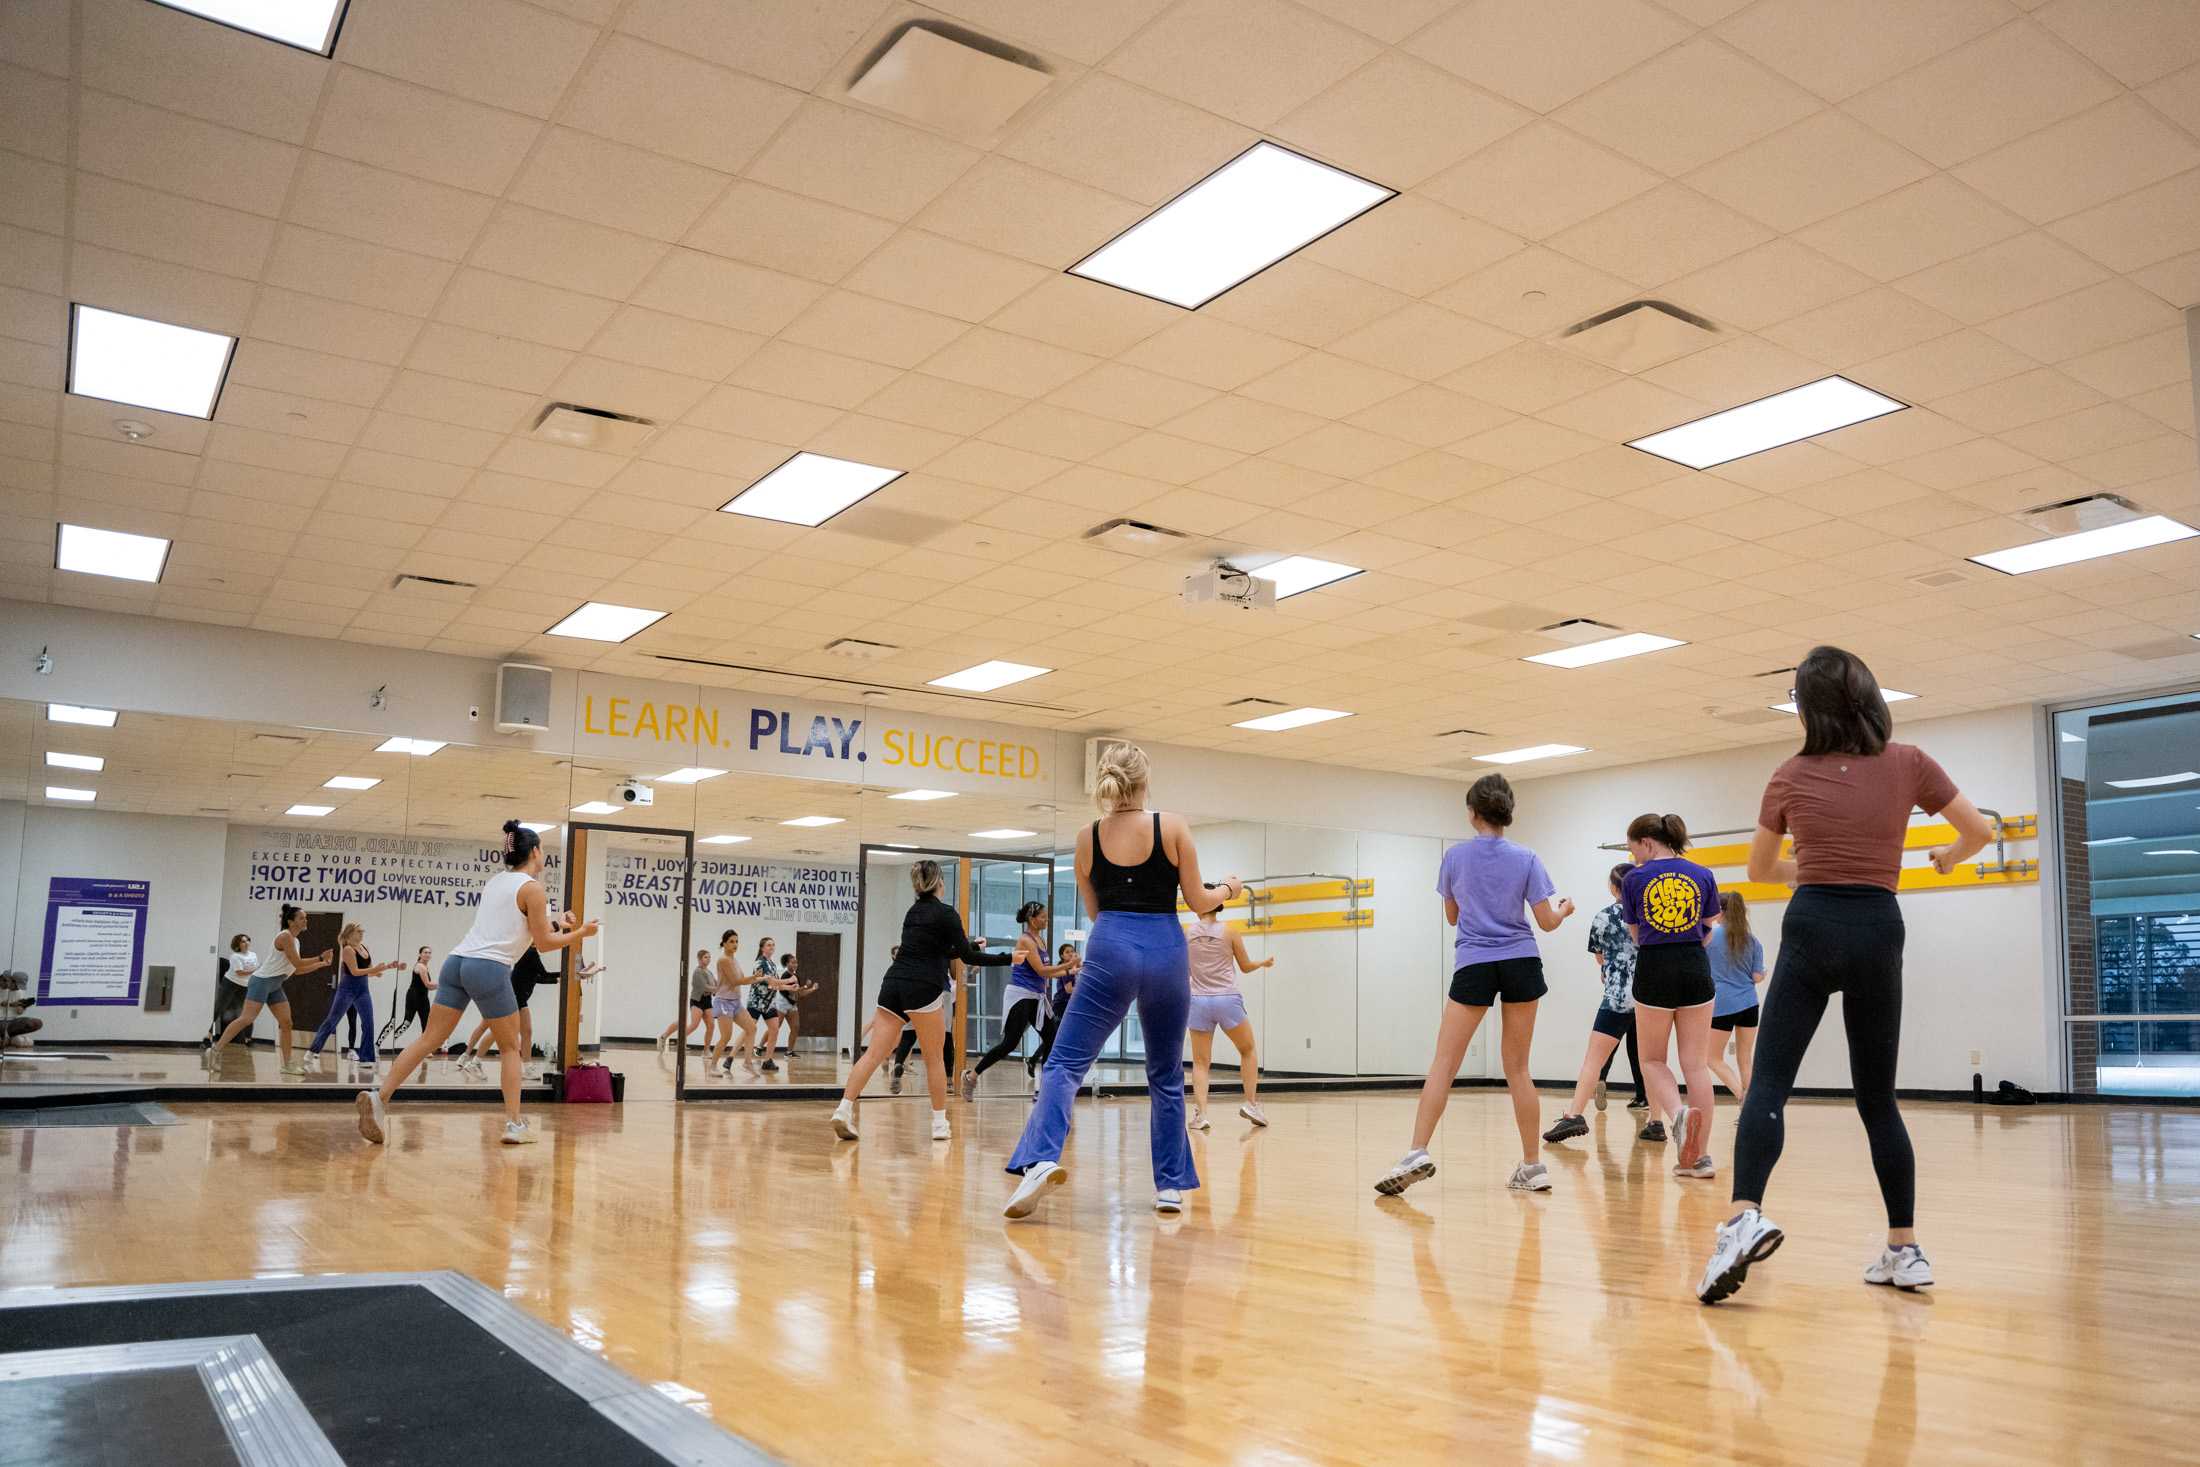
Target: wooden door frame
(576,860)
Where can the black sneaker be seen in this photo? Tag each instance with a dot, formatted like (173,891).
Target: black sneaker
(1655,1131)
(1638,1103)
(1567,1128)
(893,1082)
(770,1067)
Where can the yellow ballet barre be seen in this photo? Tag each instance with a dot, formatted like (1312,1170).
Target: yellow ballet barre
(1306,922)
(1916,838)
(1913,878)
(1312,891)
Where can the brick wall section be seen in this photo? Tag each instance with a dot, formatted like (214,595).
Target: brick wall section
(2079,958)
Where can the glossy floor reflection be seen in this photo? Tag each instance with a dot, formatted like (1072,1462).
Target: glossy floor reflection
(845,1303)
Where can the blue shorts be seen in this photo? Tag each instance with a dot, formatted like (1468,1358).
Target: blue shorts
(265,990)
(484,982)
(1212,1011)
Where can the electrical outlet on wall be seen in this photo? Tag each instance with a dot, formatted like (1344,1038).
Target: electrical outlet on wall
(1978,1059)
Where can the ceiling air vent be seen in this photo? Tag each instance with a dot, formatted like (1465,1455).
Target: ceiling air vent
(1254,703)
(569,425)
(1939,580)
(949,79)
(857,650)
(1514,616)
(440,588)
(1577,630)
(1454,733)
(1639,335)
(2089,512)
(1135,537)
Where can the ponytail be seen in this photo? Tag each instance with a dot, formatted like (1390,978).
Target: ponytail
(1027,911)
(519,844)
(1668,830)
(1736,913)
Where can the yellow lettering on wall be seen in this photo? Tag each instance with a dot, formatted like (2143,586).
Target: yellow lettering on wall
(960,745)
(617,729)
(706,726)
(588,715)
(676,724)
(892,742)
(646,722)
(1027,762)
(989,758)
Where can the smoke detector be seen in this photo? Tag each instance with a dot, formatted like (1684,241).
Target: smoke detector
(949,79)
(569,425)
(1639,335)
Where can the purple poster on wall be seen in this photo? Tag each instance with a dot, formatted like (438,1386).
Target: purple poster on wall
(95,940)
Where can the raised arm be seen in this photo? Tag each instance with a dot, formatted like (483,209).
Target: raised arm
(961,949)
(285,943)
(1245,963)
(546,936)
(1973,831)
(1178,835)
(1035,957)
(1548,913)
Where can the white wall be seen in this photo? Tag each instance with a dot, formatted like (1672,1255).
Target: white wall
(1975,975)
(11,855)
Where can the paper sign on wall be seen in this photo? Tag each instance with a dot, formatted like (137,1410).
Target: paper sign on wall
(94,950)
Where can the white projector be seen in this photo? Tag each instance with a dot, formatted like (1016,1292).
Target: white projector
(1223,584)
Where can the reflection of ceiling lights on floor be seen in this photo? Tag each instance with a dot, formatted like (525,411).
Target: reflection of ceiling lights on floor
(722,840)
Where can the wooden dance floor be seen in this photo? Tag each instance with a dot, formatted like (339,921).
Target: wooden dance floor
(860,1304)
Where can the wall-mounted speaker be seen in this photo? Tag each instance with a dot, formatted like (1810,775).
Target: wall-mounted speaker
(523,698)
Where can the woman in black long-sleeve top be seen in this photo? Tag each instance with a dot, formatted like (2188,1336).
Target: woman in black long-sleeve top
(914,992)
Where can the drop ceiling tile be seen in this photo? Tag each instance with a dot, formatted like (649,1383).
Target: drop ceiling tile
(875,330)
(1422,341)
(1164,458)
(2141,228)
(622,387)
(1775,281)
(33,260)
(2167,458)
(1660,235)
(1526,445)
(1614,471)
(181,154)
(2088,431)
(164,292)
(812,376)
(614,185)
(343,197)
(551,249)
(1200,348)
(2176,281)
(943,276)
(331,378)
(2178,98)
(935,402)
(2002,278)
(673,104)
(1538,180)
(1820,166)
(1399,120)
(495,51)
(2015,401)
(480,356)
(1125,140)
(1987,92)
(1326,385)
(2159,359)
(1281,56)
(37,36)
(502,306)
(445,443)
(1876,323)
(1965,463)
(273,451)
(1628,408)
(33,193)
(743,460)
(169,227)
(1932,220)
(1430,416)
(787,232)
(1896,436)
(878,441)
(313,263)
(1530,377)
(288,413)
(1004,363)
(2085,161)
(1687,106)
(391,124)
(1534,293)
(1541,55)
(1411,245)
(1837,51)
(795,46)
(1953,363)
(169,59)
(1131,394)
(1026,212)
(34,113)
(860,161)
(1349,453)
(2083,321)
(1243,424)
(2136,42)
(468,404)
(2171,406)
(1085,316)
(746,297)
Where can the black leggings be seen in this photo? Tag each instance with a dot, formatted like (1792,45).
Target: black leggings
(1845,940)
(1021,1015)
(416,1007)
(1634,1062)
(1047,1031)
(909,1042)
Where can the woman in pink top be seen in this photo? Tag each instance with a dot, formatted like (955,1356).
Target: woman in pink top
(1846,799)
(1218,956)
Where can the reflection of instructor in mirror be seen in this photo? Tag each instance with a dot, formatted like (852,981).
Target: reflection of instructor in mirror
(265,990)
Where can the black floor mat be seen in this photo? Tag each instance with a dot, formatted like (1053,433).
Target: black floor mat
(134,1113)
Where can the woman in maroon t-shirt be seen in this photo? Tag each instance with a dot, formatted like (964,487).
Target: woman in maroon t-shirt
(1846,799)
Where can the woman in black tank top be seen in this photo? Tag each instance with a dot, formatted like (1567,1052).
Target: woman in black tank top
(1136,955)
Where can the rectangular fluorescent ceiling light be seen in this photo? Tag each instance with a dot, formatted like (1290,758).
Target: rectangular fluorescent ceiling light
(1610,649)
(71,713)
(987,676)
(693,774)
(114,553)
(2173,851)
(1533,751)
(310,25)
(596,807)
(2071,738)
(1888,695)
(540,827)
(809,489)
(2153,781)
(1262,205)
(721,840)
(812,821)
(351,782)
(311,812)
(90,762)
(147,364)
(2138,534)
(63,792)
(2113,840)
(1002,834)
(600,621)
(1769,422)
(418,748)
(923,795)
(1296,573)
(1292,718)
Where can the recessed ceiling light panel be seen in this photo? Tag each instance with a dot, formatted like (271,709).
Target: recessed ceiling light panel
(923,795)
(114,553)
(1769,422)
(310,812)
(148,364)
(811,822)
(1262,205)
(91,762)
(540,827)
(596,807)
(693,774)
(1888,695)
(809,489)
(1292,718)
(1296,573)
(600,621)
(351,782)
(1607,649)
(987,676)
(1531,752)
(722,840)
(310,25)
(71,713)
(64,792)
(2139,534)
(399,744)
(1004,833)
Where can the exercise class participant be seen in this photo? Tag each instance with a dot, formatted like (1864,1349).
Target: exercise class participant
(1026,991)
(1217,957)
(1614,1023)
(265,990)
(1737,967)
(417,991)
(1846,800)
(914,992)
(353,993)
(1135,955)
(1057,1003)
(729,1007)
(528,974)
(700,982)
(1669,903)
(513,916)
(237,969)
(909,1035)
(1490,887)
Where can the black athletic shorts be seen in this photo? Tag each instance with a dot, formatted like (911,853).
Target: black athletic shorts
(526,973)
(905,996)
(700,1005)
(1612,1023)
(1673,975)
(1515,980)
(1739,1019)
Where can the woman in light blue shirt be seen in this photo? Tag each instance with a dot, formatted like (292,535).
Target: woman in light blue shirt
(1737,968)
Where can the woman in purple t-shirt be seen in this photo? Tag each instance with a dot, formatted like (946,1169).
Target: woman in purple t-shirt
(1668,903)
(1489,886)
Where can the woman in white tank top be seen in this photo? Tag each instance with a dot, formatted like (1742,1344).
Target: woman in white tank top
(264,989)
(512,916)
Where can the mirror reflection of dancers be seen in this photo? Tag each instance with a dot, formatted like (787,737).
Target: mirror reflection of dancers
(237,970)
(528,974)
(512,916)
(353,997)
(1218,956)
(947,1024)
(1050,1016)
(786,1009)
(766,987)
(1135,955)
(1026,991)
(417,991)
(729,1011)
(701,980)
(914,992)
(265,990)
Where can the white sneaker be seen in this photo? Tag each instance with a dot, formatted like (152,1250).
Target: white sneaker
(1168,1200)
(1253,1113)
(1746,1238)
(1199,1121)
(844,1120)
(1601,1092)
(1417,1167)
(470,1068)
(371,1116)
(294,1067)
(1701,1168)
(1040,1178)
(969,1084)
(530,1073)
(940,1132)
(1530,1177)
(518,1133)
(1905,1266)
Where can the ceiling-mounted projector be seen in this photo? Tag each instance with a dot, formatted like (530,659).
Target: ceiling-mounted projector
(1223,584)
